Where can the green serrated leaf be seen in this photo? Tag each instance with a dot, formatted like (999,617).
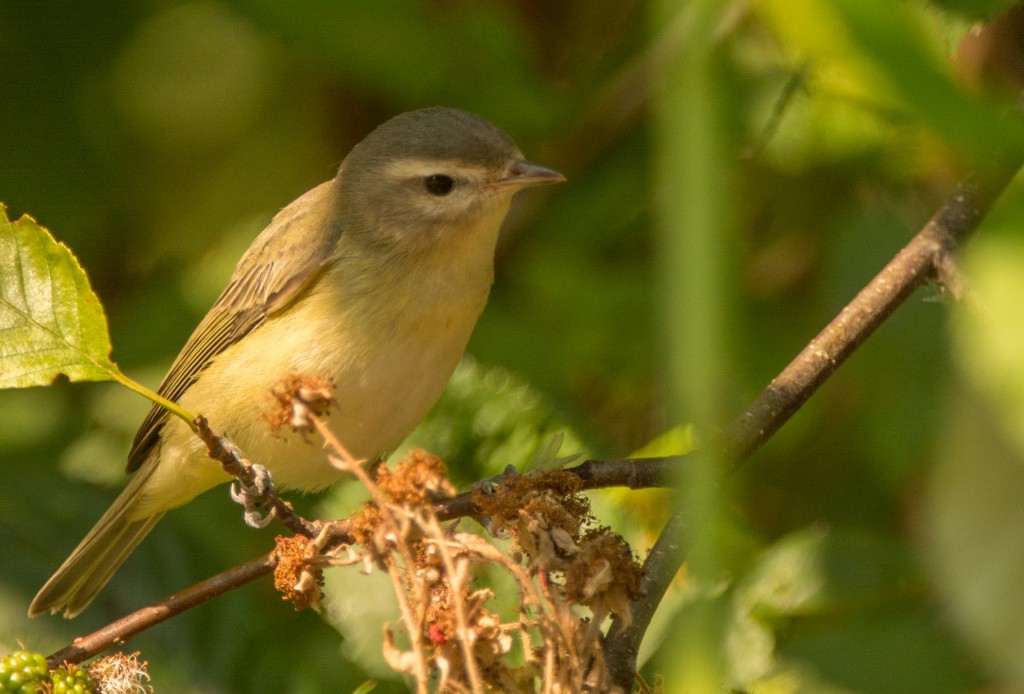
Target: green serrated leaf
(51,322)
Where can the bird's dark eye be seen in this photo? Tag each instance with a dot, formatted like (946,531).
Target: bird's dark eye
(438,184)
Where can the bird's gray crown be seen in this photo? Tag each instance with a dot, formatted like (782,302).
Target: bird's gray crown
(441,133)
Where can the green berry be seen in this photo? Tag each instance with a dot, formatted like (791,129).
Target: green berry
(64,681)
(22,672)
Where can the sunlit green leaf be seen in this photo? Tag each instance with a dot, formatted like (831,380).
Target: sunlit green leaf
(51,322)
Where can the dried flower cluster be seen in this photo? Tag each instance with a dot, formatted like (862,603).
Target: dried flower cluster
(453,641)
(120,674)
(550,522)
(420,480)
(296,399)
(298,575)
(456,643)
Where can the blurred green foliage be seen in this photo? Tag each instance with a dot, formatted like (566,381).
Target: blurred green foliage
(789,147)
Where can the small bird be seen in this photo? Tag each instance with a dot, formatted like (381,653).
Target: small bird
(373,281)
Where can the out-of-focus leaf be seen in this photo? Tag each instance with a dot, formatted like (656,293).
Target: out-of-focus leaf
(29,417)
(489,59)
(546,455)
(890,57)
(814,573)
(358,604)
(989,327)
(975,521)
(676,441)
(192,76)
(839,612)
(486,420)
(976,497)
(816,36)
(906,46)
(975,9)
(51,322)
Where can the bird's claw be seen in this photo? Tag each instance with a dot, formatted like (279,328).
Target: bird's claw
(253,497)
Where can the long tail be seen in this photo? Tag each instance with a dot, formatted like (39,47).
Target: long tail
(98,556)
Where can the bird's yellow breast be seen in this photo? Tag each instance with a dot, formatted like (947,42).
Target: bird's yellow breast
(386,338)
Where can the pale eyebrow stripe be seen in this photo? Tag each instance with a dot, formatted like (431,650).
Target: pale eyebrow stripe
(413,168)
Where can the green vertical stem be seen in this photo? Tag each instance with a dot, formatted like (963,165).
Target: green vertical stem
(692,164)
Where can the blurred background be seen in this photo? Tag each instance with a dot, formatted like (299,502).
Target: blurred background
(737,171)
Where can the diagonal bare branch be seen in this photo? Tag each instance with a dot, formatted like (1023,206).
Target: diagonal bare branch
(928,257)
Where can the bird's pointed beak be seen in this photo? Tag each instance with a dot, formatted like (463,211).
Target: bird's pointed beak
(524,173)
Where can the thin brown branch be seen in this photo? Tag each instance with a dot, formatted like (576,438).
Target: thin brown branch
(116,633)
(635,473)
(927,257)
(623,641)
